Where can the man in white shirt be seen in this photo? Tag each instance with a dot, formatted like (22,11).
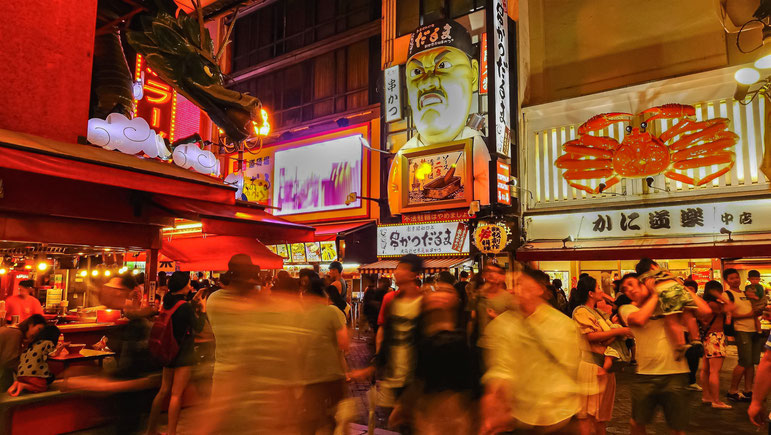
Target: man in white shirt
(747,337)
(532,355)
(661,378)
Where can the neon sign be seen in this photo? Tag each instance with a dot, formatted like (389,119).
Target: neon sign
(159,105)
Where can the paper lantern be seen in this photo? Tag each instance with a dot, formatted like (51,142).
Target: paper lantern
(492,237)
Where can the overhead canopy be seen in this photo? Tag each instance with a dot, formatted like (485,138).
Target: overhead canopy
(237,220)
(430,265)
(38,155)
(214,252)
(633,249)
(330,232)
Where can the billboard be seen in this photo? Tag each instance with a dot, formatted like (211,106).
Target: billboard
(438,238)
(318,177)
(441,78)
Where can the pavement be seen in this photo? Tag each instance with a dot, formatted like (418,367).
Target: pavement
(704,419)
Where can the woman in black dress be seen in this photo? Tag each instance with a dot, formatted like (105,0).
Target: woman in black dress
(176,375)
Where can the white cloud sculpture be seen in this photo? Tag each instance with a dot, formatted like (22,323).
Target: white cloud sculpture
(190,156)
(236,179)
(130,136)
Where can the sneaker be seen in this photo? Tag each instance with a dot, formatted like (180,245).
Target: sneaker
(694,387)
(747,396)
(735,397)
(633,363)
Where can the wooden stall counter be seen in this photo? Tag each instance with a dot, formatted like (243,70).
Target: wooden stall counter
(88,333)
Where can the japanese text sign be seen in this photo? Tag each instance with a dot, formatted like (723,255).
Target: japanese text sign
(500,94)
(665,220)
(502,187)
(422,239)
(483,66)
(159,104)
(393,98)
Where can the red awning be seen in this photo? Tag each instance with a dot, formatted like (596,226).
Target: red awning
(743,246)
(237,220)
(330,232)
(38,155)
(214,252)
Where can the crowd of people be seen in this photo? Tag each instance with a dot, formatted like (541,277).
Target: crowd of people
(504,351)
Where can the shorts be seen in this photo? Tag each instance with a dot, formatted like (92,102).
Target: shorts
(714,345)
(669,391)
(674,300)
(748,347)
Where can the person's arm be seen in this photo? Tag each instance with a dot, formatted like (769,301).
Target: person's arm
(603,336)
(641,317)
(702,307)
(760,391)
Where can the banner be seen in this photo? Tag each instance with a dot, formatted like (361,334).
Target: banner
(422,239)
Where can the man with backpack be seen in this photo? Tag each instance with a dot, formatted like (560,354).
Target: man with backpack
(172,343)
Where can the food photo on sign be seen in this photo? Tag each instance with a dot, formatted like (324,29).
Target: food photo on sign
(437,177)
(441,77)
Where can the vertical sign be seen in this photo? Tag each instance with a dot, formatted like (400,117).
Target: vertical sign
(393,100)
(483,66)
(159,105)
(500,66)
(503,176)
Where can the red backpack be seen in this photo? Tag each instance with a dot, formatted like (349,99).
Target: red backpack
(163,346)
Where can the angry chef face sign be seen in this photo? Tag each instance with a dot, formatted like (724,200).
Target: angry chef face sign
(441,79)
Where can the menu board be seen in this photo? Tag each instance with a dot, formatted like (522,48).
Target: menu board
(313,252)
(282,251)
(272,249)
(329,251)
(298,252)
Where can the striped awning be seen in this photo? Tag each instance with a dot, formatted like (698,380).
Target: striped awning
(430,265)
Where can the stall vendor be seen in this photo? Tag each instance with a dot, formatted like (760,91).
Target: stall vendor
(23,304)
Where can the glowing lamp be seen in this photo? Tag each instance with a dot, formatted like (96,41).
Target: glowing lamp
(83,273)
(42,266)
(747,76)
(107,273)
(27,266)
(94,272)
(764,62)
(3,271)
(135,272)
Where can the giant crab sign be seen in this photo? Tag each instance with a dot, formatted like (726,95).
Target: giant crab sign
(688,144)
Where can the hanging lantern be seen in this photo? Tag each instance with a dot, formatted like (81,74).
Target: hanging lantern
(492,237)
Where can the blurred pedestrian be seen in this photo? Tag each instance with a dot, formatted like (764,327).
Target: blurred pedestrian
(176,373)
(714,341)
(532,354)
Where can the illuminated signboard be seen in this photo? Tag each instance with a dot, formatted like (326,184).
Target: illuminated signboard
(168,113)
(483,65)
(440,238)
(328,251)
(318,177)
(298,252)
(282,251)
(313,252)
(502,187)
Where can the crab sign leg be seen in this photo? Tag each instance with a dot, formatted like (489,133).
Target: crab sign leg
(715,132)
(598,122)
(689,125)
(723,158)
(669,111)
(587,175)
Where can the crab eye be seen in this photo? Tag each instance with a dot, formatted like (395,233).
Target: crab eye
(643,125)
(628,128)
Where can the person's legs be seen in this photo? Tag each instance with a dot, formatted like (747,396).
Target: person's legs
(673,397)
(713,385)
(744,351)
(693,366)
(181,379)
(707,395)
(585,425)
(158,401)
(643,390)
(749,377)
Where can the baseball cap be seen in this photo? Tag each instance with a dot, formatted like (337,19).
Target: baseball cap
(441,33)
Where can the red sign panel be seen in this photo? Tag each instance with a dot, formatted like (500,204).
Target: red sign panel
(435,216)
(483,65)
(503,176)
(459,241)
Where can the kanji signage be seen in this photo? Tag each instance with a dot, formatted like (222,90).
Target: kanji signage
(159,105)
(492,237)
(393,94)
(422,239)
(502,188)
(435,216)
(500,96)
(666,220)
(483,66)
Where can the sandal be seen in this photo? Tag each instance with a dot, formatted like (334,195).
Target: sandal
(721,406)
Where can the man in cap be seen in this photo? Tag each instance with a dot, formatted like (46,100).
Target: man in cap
(23,304)
(441,77)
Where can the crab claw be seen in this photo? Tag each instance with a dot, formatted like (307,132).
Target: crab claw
(669,111)
(598,122)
